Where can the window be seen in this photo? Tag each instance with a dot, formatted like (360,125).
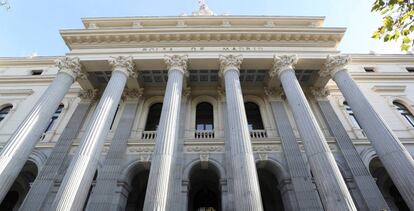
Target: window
(4,111)
(405,113)
(204,116)
(369,69)
(410,69)
(254,118)
(351,115)
(154,115)
(37,72)
(54,117)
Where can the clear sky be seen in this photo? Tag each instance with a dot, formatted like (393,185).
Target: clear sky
(32,27)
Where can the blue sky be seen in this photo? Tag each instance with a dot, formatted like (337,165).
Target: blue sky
(32,27)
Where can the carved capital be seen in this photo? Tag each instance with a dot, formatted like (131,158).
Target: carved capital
(90,94)
(282,63)
(70,66)
(132,93)
(178,62)
(123,64)
(319,92)
(187,92)
(230,61)
(334,64)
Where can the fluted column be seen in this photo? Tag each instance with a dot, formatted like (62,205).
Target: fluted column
(77,181)
(245,180)
(370,192)
(165,144)
(21,143)
(331,186)
(105,189)
(45,180)
(393,155)
(303,187)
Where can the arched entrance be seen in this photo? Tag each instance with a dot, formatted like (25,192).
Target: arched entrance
(386,186)
(269,188)
(138,186)
(20,187)
(204,190)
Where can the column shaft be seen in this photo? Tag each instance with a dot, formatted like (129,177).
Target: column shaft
(18,148)
(103,195)
(161,169)
(393,155)
(245,180)
(306,195)
(77,181)
(45,180)
(363,179)
(331,186)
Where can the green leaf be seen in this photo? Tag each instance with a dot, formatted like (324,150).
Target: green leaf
(405,47)
(406,40)
(387,37)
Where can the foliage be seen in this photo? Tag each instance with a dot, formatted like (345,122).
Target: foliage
(398,21)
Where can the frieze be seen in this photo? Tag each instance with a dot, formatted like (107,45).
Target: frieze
(135,150)
(197,149)
(266,148)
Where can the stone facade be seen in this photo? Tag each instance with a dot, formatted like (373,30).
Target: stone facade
(159,113)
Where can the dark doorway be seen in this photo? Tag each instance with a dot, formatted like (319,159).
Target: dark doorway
(20,188)
(204,193)
(138,188)
(386,186)
(271,198)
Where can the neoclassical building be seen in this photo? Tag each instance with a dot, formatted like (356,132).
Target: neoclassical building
(203,113)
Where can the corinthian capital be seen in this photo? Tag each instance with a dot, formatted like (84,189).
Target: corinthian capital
(70,66)
(178,62)
(281,63)
(334,64)
(123,64)
(230,62)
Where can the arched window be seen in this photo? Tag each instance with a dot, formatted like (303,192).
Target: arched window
(204,116)
(351,115)
(4,111)
(405,112)
(254,118)
(154,115)
(54,117)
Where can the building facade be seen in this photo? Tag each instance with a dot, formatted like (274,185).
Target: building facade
(207,112)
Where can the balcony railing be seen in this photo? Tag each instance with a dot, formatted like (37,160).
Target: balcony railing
(258,134)
(148,135)
(204,134)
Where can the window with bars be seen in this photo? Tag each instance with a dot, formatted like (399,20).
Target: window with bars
(405,113)
(204,116)
(54,117)
(351,115)
(4,111)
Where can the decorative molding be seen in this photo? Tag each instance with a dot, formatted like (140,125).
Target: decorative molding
(90,94)
(263,156)
(319,92)
(333,64)
(138,150)
(266,148)
(70,66)
(230,61)
(187,92)
(388,88)
(132,93)
(274,94)
(124,64)
(281,63)
(178,62)
(198,149)
(16,92)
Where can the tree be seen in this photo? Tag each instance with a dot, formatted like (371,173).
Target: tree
(5,4)
(398,21)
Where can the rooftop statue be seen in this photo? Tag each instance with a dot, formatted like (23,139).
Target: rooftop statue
(203,9)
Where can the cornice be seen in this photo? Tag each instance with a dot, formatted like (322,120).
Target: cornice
(28,61)
(392,76)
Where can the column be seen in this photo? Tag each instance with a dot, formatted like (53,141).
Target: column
(331,186)
(77,181)
(393,155)
(106,186)
(21,143)
(45,180)
(161,166)
(245,180)
(365,183)
(303,187)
